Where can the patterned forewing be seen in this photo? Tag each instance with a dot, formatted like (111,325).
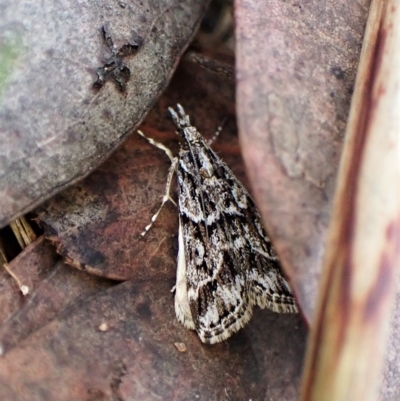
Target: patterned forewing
(216,277)
(230,263)
(266,283)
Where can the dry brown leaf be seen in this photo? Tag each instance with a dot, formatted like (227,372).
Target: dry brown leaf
(136,359)
(31,266)
(361,266)
(53,287)
(296,65)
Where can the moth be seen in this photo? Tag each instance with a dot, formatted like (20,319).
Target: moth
(226,262)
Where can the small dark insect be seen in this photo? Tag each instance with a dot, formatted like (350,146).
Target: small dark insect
(114,68)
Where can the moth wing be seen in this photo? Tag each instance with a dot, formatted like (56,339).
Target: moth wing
(266,283)
(216,287)
(230,263)
(268,286)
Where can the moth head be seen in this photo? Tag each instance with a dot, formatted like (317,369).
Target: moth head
(182,122)
(181,119)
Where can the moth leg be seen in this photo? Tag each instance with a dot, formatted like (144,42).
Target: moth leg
(159,146)
(167,195)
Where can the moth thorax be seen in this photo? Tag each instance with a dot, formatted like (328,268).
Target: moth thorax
(191,135)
